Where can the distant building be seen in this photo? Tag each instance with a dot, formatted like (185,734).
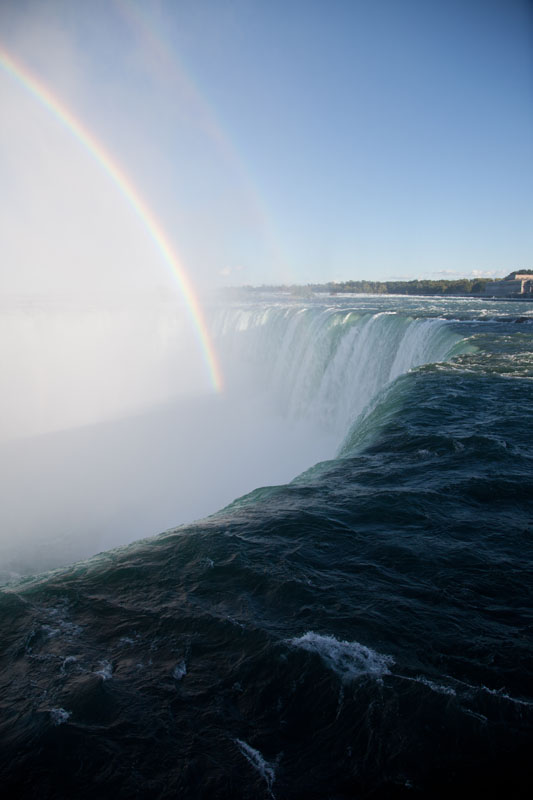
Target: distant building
(520,285)
(523,276)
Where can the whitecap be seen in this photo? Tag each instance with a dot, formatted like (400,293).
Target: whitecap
(503,694)
(59,715)
(67,662)
(500,693)
(259,763)
(475,715)
(49,631)
(180,670)
(105,671)
(69,628)
(435,687)
(349,660)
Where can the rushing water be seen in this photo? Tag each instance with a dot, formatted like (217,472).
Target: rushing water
(364,631)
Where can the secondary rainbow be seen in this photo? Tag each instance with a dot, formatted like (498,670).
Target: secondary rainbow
(126,187)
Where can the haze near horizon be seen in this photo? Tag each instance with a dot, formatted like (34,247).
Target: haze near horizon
(153,151)
(273,143)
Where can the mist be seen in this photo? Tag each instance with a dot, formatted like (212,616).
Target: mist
(110,429)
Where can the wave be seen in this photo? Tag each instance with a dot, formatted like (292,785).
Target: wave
(260,764)
(350,660)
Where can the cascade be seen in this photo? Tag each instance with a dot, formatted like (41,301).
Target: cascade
(324,365)
(296,380)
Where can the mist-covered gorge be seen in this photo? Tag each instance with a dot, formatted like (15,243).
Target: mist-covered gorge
(124,437)
(325,362)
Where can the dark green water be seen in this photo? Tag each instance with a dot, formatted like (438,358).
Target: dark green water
(362,632)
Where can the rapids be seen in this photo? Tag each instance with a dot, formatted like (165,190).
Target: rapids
(361,629)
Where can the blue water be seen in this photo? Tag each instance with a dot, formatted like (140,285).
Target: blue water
(364,631)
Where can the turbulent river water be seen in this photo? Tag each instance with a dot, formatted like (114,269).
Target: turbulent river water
(362,631)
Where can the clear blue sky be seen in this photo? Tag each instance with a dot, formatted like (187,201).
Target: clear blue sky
(291,141)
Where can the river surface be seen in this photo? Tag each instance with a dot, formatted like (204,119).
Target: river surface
(359,628)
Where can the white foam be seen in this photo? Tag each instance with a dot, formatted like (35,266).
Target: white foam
(501,693)
(49,631)
(260,764)
(67,662)
(69,628)
(349,660)
(105,671)
(475,715)
(59,716)
(435,687)
(180,670)
(64,629)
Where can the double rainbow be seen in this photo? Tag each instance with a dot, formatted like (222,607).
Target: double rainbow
(130,193)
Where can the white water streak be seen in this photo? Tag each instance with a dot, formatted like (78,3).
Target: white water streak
(350,660)
(260,764)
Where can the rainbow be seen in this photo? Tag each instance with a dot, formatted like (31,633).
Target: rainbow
(151,33)
(128,190)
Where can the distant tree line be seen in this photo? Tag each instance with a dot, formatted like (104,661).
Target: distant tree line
(463,286)
(460,287)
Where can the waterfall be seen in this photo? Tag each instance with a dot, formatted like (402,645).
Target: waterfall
(296,379)
(324,365)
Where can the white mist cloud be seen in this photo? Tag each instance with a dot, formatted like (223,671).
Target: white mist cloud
(227,272)
(448,274)
(85,336)
(487,273)
(64,225)
(70,494)
(109,429)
